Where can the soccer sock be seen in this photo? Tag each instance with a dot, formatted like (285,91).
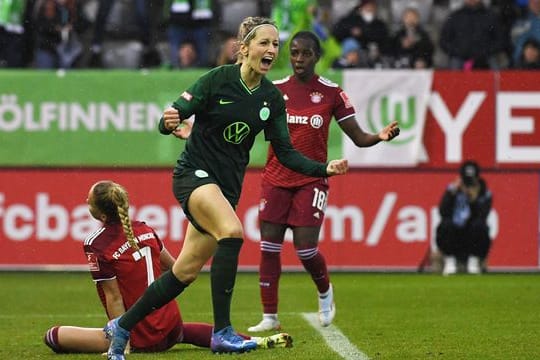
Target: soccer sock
(315,265)
(51,339)
(269,274)
(159,293)
(198,334)
(222,278)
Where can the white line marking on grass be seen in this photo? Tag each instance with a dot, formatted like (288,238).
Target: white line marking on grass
(335,339)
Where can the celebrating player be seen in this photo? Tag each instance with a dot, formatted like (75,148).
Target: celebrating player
(231,104)
(293,200)
(124,258)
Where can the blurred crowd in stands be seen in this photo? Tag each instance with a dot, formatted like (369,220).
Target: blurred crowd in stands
(172,34)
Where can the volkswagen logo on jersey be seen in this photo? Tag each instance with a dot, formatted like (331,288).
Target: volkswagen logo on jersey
(316,121)
(236,132)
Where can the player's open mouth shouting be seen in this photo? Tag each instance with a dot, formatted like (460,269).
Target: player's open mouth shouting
(266,62)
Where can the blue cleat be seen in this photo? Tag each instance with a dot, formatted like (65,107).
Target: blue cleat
(118,337)
(227,341)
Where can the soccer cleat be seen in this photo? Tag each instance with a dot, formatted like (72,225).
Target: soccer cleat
(450,265)
(227,341)
(274,341)
(327,308)
(266,324)
(118,338)
(473,265)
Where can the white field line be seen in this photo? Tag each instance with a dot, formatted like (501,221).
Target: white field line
(335,339)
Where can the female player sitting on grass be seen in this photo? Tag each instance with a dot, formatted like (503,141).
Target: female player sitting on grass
(124,258)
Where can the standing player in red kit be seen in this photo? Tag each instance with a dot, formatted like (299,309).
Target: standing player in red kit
(124,258)
(292,200)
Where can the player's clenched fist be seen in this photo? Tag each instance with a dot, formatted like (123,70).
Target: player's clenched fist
(337,167)
(171,118)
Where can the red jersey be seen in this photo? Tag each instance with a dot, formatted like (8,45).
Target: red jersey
(310,108)
(110,256)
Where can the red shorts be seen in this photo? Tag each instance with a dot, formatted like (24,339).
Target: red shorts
(174,337)
(298,206)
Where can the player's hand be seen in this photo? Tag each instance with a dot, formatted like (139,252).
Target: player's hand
(337,167)
(183,130)
(389,132)
(171,119)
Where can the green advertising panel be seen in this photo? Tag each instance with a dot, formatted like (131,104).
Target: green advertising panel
(98,118)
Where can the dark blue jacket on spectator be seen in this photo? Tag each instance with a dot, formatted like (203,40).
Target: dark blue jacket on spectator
(472,33)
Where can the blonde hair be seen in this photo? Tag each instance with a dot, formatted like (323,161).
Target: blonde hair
(248,28)
(112,200)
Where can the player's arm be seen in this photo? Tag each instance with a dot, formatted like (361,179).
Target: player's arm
(113,298)
(175,118)
(363,139)
(295,161)
(166,259)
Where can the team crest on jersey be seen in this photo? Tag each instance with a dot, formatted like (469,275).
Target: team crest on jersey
(93,261)
(186,96)
(264,113)
(316,97)
(345,99)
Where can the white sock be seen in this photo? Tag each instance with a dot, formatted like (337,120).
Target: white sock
(325,294)
(270,316)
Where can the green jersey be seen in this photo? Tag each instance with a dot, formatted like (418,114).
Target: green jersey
(228,116)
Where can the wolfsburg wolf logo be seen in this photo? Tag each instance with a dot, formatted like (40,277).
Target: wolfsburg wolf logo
(390,108)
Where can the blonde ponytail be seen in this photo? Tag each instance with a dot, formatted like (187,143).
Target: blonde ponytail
(120,199)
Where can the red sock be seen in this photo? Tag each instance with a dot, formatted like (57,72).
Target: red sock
(315,265)
(51,339)
(198,334)
(269,273)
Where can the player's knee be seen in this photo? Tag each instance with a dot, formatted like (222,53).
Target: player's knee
(230,230)
(186,274)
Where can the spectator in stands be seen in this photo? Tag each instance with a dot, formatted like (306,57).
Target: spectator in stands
(190,20)
(292,16)
(527,27)
(228,51)
(530,56)
(352,56)
(472,37)
(187,55)
(57,44)
(508,11)
(363,25)
(463,233)
(14,34)
(412,45)
(150,56)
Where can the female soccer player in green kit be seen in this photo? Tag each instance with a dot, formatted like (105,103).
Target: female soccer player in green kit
(231,104)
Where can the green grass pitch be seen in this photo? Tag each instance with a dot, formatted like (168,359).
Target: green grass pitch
(386,316)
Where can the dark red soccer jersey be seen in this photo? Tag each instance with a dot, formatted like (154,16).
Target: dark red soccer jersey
(310,108)
(110,256)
